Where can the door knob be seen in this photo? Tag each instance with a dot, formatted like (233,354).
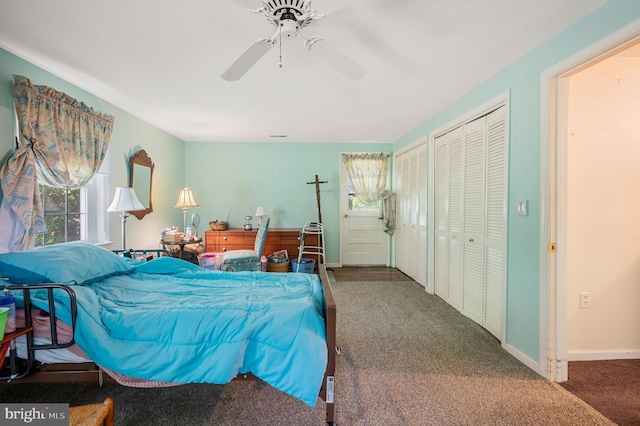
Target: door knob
(346,216)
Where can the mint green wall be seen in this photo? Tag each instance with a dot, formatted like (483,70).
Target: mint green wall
(522,80)
(129,134)
(231,180)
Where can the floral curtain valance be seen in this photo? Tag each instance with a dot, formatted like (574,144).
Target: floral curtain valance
(368,173)
(62,144)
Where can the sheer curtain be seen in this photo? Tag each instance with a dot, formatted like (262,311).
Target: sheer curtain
(368,173)
(62,144)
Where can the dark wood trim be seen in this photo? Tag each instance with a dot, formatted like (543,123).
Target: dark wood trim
(141,158)
(327,392)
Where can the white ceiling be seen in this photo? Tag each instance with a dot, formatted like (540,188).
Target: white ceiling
(161,60)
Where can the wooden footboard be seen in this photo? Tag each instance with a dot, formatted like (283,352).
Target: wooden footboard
(327,391)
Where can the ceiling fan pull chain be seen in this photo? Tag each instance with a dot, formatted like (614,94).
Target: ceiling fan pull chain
(280,61)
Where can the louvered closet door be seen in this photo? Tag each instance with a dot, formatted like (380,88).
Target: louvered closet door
(412,262)
(403,200)
(448,217)
(473,219)
(411,192)
(441,216)
(421,250)
(455,243)
(470,192)
(496,222)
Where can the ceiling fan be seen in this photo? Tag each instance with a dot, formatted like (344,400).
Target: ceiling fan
(289,17)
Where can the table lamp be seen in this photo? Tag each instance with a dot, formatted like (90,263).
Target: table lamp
(186,200)
(260,214)
(125,201)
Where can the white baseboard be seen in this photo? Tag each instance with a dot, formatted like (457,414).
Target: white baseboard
(523,358)
(602,355)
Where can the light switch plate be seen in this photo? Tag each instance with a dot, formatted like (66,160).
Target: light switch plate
(523,207)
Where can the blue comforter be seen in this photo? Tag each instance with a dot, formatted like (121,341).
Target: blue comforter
(172,321)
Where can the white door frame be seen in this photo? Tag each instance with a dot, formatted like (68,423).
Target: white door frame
(553,166)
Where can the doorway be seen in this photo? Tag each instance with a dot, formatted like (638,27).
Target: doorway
(590,189)
(602,202)
(363,241)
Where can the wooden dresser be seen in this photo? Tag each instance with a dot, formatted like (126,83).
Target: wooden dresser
(239,239)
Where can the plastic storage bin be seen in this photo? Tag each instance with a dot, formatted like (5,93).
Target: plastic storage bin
(306,265)
(210,260)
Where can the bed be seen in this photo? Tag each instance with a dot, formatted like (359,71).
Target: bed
(166,321)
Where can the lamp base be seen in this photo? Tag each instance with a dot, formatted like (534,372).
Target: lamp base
(124,216)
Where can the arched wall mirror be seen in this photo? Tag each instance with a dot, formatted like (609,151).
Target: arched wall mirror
(140,179)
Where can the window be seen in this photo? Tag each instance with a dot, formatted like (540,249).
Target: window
(65,215)
(76,214)
(356,204)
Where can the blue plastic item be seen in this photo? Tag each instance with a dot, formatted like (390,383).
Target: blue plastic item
(306,265)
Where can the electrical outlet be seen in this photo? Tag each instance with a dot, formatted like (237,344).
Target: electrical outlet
(585,299)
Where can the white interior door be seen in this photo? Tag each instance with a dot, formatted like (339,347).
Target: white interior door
(410,185)
(473,219)
(448,217)
(470,193)
(496,223)
(362,237)
(421,224)
(403,206)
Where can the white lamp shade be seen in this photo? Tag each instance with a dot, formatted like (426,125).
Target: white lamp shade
(125,200)
(185,199)
(260,212)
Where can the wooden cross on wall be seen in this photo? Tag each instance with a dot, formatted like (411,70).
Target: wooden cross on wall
(317,183)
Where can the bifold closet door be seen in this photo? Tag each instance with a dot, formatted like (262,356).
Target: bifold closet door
(496,223)
(448,217)
(470,164)
(403,204)
(411,196)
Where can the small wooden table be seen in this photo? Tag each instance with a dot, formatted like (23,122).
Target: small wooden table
(180,244)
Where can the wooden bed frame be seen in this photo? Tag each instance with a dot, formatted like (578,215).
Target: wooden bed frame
(89,371)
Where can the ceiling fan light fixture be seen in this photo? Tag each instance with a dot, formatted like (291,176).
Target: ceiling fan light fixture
(289,28)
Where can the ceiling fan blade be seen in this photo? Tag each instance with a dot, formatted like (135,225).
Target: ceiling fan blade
(336,59)
(247,59)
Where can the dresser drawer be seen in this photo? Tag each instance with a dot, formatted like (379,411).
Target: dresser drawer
(233,239)
(290,239)
(239,239)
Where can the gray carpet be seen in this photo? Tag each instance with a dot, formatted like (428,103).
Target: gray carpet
(407,358)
